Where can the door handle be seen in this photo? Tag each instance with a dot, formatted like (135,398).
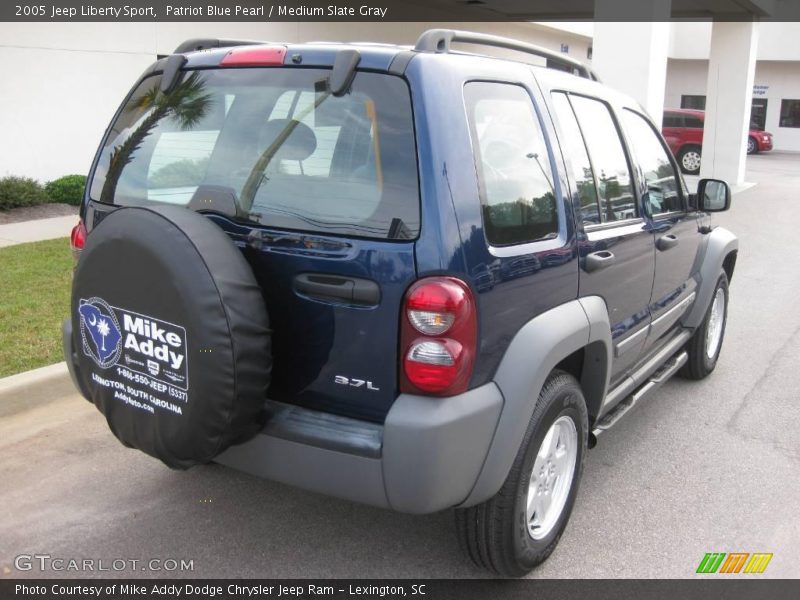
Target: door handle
(599,260)
(666,242)
(352,290)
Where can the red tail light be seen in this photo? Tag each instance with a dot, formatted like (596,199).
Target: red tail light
(438,337)
(247,56)
(77,240)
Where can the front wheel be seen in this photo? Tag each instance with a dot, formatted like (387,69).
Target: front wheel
(752,145)
(689,159)
(706,343)
(518,528)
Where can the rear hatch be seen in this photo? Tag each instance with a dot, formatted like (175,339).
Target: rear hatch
(319,191)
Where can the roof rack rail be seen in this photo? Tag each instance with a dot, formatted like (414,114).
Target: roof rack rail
(195,44)
(439,40)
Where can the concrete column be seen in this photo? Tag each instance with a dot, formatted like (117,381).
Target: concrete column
(632,56)
(731,70)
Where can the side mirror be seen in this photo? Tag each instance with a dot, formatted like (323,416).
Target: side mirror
(713,195)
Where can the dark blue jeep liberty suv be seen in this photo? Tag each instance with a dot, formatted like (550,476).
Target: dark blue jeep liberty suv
(417,278)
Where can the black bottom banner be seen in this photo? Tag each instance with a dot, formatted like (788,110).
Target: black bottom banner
(423,589)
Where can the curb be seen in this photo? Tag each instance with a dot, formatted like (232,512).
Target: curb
(35,388)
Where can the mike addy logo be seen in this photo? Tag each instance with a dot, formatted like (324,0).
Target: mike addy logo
(141,343)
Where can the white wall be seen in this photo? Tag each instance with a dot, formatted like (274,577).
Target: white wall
(777,41)
(783,80)
(689,77)
(62,82)
(685,77)
(641,73)
(59,90)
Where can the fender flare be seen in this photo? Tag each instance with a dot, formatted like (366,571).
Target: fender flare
(536,349)
(719,244)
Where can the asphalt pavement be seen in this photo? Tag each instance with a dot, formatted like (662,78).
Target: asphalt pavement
(700,467)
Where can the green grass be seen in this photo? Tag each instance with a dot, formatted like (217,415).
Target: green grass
(35,284)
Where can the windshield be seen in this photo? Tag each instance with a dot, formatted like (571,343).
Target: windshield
(270,146)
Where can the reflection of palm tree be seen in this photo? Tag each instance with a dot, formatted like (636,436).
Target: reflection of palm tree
(187,104)
(103,330)
(256,176)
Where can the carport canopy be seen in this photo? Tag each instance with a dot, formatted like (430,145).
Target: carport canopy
(630,47)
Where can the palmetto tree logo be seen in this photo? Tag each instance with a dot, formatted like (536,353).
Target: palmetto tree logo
(103,330)
(100,331)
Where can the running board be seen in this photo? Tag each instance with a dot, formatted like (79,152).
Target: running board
(656,380)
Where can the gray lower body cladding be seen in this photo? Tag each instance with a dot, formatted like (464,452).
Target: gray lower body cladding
(426,456)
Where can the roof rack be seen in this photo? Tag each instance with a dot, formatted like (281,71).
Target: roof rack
(195,44)
(439,40)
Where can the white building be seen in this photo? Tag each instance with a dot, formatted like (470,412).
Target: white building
(62,82)
(776,89)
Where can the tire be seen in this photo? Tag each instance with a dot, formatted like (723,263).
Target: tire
(702,360)
(689,159)
(752,145)
(496,534)
(170,334)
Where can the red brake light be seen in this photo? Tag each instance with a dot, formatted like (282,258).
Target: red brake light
(438,337)
(248,56)
(77,239)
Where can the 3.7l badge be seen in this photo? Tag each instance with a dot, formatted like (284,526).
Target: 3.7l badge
(353,382)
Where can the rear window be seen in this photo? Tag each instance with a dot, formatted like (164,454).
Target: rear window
(270,146)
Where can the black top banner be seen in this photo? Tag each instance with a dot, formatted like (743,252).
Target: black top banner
(393,10)
(422,589)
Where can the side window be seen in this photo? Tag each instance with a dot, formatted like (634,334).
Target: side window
(617,201)
(659,175)
(693,122)
(581,168)
(672,120)
(512,164)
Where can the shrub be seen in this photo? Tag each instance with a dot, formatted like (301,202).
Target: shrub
(67,189)
(182,173)
(20,191)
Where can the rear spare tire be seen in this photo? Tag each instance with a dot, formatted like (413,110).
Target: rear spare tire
(171,334)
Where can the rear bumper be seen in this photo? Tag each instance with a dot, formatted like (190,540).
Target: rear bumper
(425,457)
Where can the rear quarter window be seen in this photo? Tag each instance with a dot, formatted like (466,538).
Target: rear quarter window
(512,164)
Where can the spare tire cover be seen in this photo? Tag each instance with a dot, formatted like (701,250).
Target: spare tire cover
(171,334)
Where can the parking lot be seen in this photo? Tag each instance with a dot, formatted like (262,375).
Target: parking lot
(699,467)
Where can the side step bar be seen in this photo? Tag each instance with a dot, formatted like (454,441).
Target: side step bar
(656,380)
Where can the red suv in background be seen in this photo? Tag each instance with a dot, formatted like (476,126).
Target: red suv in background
(683,130)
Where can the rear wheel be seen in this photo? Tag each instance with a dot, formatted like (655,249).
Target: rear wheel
(752,145)
(689,159)
(521,525)
(704,347)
